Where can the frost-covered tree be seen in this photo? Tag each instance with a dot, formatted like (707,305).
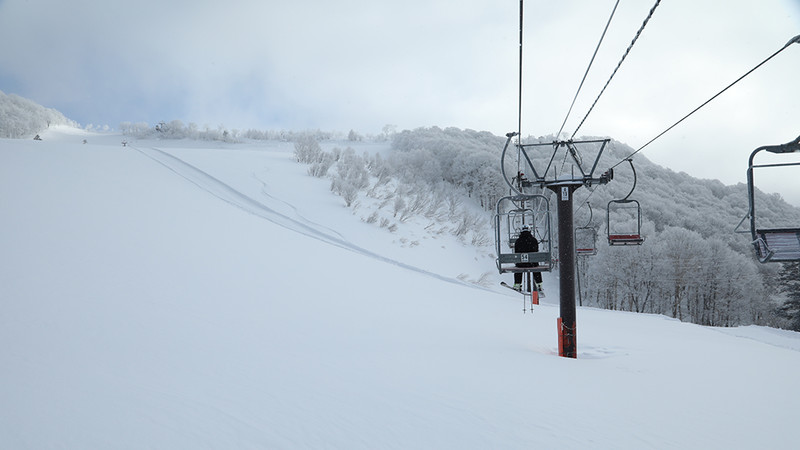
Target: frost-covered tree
(351,176)
(307,149)
(23,118)
(680,274)
(171,130)
(789,279)
(387,131)
(319,167)
(353,136)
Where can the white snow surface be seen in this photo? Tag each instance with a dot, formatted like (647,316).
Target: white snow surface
(183,295)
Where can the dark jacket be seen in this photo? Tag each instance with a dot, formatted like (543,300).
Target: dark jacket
(526,243)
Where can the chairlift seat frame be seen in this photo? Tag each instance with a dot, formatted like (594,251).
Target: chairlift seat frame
(617,238)
(772,244)
(507,261)
(583,250)
(585,234)
(625,238)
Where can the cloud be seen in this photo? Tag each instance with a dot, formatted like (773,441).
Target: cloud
(340,61)
(362,64)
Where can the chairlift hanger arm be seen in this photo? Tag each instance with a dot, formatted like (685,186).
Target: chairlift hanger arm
(510,136)
(633,188)
(589,222)
(789,147)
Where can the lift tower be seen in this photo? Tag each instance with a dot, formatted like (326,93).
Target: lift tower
(563,185)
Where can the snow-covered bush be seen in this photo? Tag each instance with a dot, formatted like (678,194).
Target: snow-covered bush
(351,176)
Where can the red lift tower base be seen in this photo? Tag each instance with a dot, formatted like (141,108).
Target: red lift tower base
(566,340)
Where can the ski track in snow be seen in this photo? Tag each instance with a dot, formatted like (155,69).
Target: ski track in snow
(228,194)
(294,209)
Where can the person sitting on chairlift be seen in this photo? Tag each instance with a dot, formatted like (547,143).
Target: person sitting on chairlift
(521,180)
(526,243)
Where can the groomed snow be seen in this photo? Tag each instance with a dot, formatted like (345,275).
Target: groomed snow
(181,294)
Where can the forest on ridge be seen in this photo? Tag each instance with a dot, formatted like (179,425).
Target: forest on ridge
(692,266)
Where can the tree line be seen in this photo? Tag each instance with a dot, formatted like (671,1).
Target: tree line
(23,118)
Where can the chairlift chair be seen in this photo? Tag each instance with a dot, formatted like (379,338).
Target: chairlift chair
(512,213)
(619,233)
(772,244)
(586,237)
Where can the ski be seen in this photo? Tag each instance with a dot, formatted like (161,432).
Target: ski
(504,284)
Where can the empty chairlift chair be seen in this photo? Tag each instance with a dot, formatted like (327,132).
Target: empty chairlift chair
(624,219)
(586,237)
(772,244)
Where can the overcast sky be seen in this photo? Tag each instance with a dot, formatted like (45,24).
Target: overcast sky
(362,64)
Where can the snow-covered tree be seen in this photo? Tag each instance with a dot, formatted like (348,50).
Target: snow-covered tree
(307,149)
(351,176)
(789,279)
(353,136)
(23,118)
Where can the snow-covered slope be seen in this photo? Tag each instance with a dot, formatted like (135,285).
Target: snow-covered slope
(192,294)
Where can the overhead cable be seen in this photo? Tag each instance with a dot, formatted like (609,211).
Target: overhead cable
(587,69)
(794,40)
(647,19)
